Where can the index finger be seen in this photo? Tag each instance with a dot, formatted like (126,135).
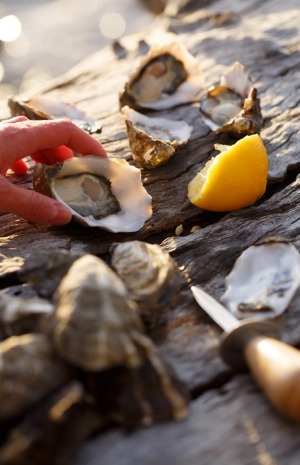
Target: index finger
(26,137)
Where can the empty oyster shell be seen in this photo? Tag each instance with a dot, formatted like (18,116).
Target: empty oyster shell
(43,107)
(29,370)
(263,280)
(96,324)
(167,76)
(103,192)
(19,316)
(149,273)
(154,140)
(232,106)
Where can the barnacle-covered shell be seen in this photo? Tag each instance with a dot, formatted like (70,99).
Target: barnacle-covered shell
(19,316)
(102,192)
(43,107)
(154,140)
(29,370)
(232,105)
(149,273)
(263,280)
(53,432)
(167,76)
(96,325)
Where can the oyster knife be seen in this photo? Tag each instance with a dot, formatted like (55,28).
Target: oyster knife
(254,344)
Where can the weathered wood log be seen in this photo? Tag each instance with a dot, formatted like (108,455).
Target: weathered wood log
(234,424)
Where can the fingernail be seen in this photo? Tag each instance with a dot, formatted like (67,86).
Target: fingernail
(59,214)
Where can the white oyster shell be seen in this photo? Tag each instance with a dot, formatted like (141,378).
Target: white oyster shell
(185,92)
(69,187)
(44,107)
(154,140)
(263,280)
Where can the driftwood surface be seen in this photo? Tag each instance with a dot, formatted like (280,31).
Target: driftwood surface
(230,422)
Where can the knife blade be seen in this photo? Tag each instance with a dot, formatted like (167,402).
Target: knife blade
(274,364)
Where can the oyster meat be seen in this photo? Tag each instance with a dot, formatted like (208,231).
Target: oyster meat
(167,76)
(43,107)
(154,140)
(149,273)
(263,280)
(232,105)
(103,192)
(29,370)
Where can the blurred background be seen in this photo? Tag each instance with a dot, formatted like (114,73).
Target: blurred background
(42,39)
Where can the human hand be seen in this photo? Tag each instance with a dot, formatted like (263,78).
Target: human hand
(45,141)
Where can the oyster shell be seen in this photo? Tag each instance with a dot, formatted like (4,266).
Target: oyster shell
(102,192)
(53,432)
(154,140)
(232,106)
(45,268)
(29,370)
(263,280)
(167,76)
(149,273)
(43,107)
(19,316)
(96,324)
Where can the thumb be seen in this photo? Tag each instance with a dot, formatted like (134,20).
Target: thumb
(31,205)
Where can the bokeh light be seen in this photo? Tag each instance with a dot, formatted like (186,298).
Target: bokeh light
(1,71)
(10,28)
(18,48)
(112,25)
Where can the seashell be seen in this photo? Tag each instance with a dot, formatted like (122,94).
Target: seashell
(167,76)
(232,106)
(153,141)
(149,273)
(45,268)
(139,396)
(19,316)
(101,192)
(263,280)
(248,121)
(53,432)
(95,324)
(44,107)
(29,370)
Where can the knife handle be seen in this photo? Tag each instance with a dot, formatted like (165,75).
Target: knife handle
(274,364)
(276,369)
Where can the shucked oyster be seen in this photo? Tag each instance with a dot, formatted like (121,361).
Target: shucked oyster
(43,107)
(154,140)
(104,192)
(263,280)
(232,106)
(149,273)
(167,76)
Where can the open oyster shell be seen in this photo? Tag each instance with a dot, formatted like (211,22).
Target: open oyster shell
(232,105)
(263,280)
(102,192)
(149,273)
(43,107)
(29,370)
(167,76)
(154,140)
(96,324)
